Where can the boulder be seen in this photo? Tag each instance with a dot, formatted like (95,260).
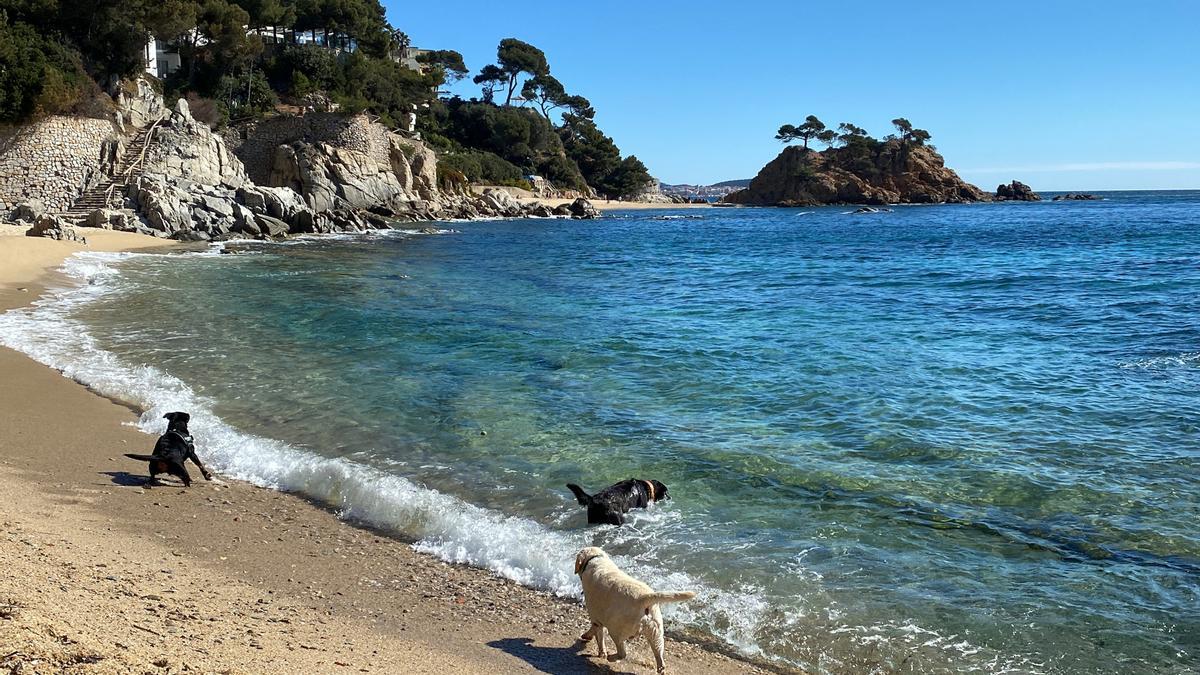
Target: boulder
(1016,191)
(113,219)
(270,227)
(28,211)
(582,209)
(54,227)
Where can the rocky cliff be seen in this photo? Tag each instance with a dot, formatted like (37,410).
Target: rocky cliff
(188,184)
(889,172)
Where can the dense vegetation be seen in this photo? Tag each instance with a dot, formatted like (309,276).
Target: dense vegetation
(485,141)
(241,58)
(851,148)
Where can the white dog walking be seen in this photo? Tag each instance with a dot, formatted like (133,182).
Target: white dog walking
(621,604)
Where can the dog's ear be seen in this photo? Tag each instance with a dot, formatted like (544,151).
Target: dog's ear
(579,561)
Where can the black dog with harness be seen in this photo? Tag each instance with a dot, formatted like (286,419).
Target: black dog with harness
(172,450)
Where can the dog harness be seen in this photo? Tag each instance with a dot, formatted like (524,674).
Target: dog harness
(649,491)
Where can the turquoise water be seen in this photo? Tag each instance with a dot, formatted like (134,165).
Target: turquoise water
(944,439)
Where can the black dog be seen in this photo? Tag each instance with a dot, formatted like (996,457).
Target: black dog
(172,450)
(609,505)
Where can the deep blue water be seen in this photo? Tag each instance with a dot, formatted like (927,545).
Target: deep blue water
(948,438)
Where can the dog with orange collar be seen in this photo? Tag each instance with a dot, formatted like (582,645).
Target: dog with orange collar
(609,506)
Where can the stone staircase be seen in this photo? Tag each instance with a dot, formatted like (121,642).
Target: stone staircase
(129,169)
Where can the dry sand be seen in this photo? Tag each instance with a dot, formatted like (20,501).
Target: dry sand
(101,575)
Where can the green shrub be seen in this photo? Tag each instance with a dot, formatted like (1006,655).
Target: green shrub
(483,167)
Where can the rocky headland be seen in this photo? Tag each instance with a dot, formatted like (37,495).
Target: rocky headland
(175,177)
(885,172)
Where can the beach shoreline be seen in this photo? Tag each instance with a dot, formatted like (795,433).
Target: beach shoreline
(226,576)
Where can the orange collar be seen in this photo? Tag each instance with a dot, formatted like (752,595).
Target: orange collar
(649,490)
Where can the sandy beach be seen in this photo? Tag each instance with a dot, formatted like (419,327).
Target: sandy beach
(103,575)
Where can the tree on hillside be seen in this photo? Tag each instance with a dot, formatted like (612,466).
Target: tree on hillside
(849,132)
(514,58)
(811,128)
(908,134)
(599,158)
(627,179)
(449,61)
(548,94)
(829,137)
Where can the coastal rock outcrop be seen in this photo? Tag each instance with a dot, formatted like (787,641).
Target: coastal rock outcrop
(582,209)
(1016,191)
(897,173)
(54,227)
(191,186)
(1076,197)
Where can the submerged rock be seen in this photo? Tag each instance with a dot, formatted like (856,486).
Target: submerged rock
(1076,196)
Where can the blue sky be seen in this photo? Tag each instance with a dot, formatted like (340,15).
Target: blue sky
(1061,95)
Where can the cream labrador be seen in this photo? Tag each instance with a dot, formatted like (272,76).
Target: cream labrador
(621,604)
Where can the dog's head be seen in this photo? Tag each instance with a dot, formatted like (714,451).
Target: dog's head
(177,421)
(660,491)
(586,555)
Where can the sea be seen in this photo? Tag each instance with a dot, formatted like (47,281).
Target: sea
(940,439)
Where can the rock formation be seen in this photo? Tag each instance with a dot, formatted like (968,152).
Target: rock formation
(187,184)
(1016,191)
(1076,197)
(893,173)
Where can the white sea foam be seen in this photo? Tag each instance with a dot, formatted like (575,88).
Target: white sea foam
(1187,360)
(515,547)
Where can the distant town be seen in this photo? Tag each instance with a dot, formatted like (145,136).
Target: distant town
(706,192)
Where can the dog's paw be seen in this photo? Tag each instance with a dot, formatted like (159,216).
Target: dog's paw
(612,658)
(586,637)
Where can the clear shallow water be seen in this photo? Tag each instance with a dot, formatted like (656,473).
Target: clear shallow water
(945,439)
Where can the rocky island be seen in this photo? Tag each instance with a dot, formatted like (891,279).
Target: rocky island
(856,169)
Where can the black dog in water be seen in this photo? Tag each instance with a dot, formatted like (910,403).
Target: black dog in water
(173,449)
(609,505)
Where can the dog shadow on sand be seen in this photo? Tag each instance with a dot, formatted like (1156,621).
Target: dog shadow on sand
(126,479)
(556,660)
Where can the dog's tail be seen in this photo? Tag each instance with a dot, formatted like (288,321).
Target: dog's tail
(143,458)
(661,597)
(583,497)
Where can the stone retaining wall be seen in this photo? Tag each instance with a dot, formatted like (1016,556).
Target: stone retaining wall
(55,160)
(254,142)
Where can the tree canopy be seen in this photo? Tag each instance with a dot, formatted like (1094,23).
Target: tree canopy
(811,128)
(514,58)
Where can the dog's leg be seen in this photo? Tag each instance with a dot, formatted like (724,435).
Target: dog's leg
(620,655)
(652,630)
(591,632)
(203,471)
(180,471)
(601,648)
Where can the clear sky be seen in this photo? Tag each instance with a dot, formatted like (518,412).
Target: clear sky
(1063,95)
